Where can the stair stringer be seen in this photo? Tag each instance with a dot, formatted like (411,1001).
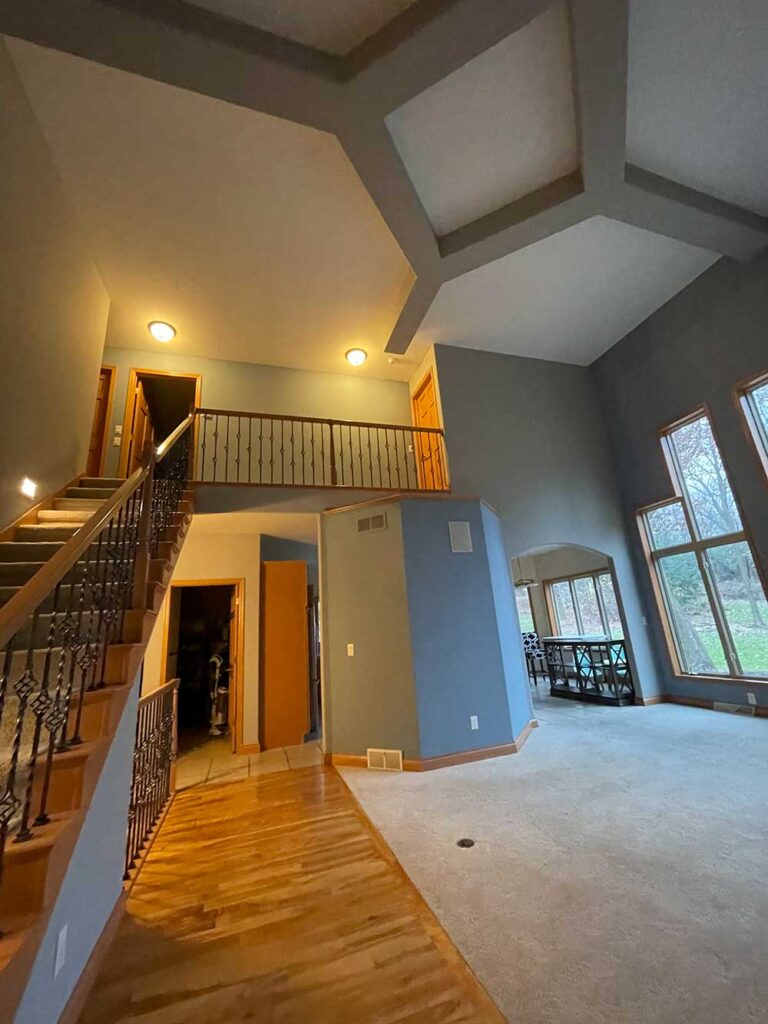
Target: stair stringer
(35,871)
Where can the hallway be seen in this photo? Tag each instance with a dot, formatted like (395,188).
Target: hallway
(273,900)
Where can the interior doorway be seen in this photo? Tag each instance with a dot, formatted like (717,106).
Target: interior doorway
(156,402)
(425,414)
(203,649)
(573,625)
(97,448)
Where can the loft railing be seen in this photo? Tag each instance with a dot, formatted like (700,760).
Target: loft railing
(154,755)
(56,631)
(301,451)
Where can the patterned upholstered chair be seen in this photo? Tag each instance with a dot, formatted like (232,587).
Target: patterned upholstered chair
(534,655)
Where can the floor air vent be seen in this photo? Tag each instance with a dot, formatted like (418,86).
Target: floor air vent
(734,709)
(385,760)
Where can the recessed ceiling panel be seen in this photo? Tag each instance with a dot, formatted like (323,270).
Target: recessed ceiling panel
(496,129)
(253,236)
(336,26)
(698,95)
(569,297)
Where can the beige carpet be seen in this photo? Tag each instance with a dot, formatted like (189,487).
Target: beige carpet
(620,872)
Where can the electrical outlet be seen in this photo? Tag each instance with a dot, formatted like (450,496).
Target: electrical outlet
(752,699)
(350,650)
(61,950)
(473,723)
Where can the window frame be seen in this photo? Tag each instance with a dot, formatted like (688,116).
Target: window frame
(571,580)
(527,590)
(698,546)
(754,428)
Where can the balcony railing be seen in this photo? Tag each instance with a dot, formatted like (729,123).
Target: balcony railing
(300,451)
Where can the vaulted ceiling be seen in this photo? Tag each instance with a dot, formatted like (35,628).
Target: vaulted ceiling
(286,179)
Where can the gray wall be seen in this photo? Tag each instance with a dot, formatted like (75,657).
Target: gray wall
(249,387)
(458,663)
(369,699)
(528,436)
(92,884)
(53,313)
(695,349)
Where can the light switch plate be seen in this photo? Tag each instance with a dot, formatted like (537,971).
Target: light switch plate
(350,650)
(473,723)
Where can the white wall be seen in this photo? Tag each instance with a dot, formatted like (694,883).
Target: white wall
(53,313)
(228,546)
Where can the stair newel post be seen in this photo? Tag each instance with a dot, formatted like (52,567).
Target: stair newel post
(143,554)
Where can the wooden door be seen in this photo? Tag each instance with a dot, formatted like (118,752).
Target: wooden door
(234,663)
(284,654)
(140,430)
(96,448)
(428,450)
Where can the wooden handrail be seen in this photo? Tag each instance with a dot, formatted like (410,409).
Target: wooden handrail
(31,595)
(171,684)
(15,612)
(318,419)
(165,446)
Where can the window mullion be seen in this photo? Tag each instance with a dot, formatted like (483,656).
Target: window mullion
(601,604)
(576,609)
(721,622)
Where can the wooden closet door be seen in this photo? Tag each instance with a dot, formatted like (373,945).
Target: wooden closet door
(284,654)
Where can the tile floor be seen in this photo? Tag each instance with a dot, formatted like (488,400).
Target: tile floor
(212,760)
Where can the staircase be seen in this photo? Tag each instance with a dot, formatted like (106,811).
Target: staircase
(80,590)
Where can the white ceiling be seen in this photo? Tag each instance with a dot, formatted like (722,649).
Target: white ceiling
(496,129)
(253,236)
(569,297)
(335,26)
(698,95)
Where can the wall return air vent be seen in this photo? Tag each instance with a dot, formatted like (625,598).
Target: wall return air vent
(369,524)
(385,760)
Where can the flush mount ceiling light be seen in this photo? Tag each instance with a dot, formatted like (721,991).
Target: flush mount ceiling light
(356,356)
(161,331)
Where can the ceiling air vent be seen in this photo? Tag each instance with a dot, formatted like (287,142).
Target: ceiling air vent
(372,523)
(385,760)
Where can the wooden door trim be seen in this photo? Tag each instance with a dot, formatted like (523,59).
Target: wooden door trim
(134,373)
(112,371)
(239,687)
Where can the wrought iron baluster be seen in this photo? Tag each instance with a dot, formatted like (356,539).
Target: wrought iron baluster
(215,445)
(378,456)
(293,455)
(271,451)
(397,435)
(370,459)
(202,449)
(386,449)
(250,446)
(25,688)
(237,459)
(282,451)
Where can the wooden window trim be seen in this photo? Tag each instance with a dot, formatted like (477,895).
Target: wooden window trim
(699,547)
(755,432)
(570,579)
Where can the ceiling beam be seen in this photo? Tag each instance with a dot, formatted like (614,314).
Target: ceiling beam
(374,156)
(599,39)
(416,307)
(429,41)
(657,204)
(176,43)
(522,222)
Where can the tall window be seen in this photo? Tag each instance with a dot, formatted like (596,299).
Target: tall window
(754,405)
(524,611)
(709,589)
(585,606)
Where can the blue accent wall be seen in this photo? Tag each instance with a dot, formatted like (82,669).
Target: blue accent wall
(458,656)
(508,623)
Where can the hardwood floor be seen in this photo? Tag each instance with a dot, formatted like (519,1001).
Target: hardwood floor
(274,900)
